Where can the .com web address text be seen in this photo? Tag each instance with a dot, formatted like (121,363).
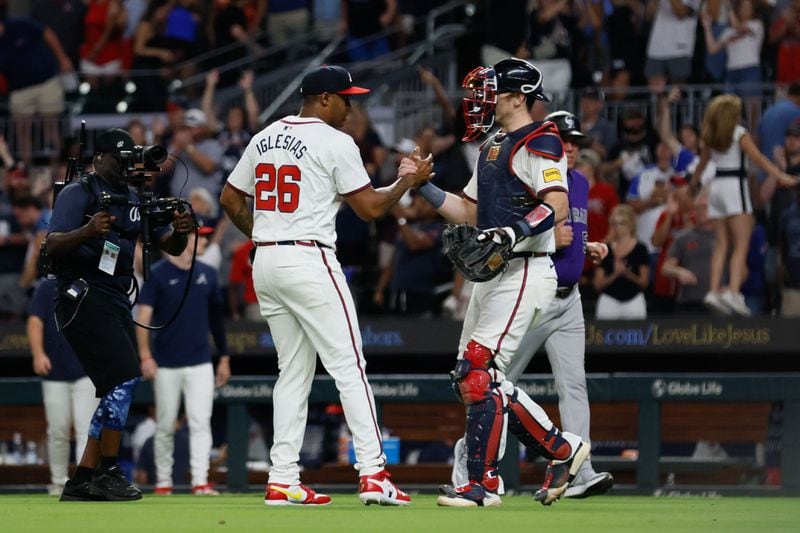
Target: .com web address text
(690,335)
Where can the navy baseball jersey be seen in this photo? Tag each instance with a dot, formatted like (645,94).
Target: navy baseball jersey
(185,341)
(64,364)
(74,207)
(569,260)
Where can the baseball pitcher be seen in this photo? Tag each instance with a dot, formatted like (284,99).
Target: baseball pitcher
(298,170)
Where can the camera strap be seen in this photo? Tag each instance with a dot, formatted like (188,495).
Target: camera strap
(94,193)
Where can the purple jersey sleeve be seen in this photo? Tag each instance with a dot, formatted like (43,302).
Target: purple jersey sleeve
(569,260)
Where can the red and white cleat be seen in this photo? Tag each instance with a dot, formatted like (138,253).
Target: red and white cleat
(378,488)
(163,491)
(280,494)
(204,490)
(560,475)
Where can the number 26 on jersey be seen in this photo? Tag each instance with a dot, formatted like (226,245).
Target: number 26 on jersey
(277,188)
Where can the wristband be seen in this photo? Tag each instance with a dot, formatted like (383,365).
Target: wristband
(433,194)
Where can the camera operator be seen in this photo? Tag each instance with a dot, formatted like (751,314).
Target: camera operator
(92,243)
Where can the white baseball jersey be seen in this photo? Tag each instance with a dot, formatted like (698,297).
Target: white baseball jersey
(297,169)
(539,175)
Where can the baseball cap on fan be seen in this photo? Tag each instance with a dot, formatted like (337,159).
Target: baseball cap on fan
(330,79)
(114,141)
(204,228)
(194,118)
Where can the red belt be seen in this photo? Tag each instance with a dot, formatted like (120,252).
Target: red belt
(315,244)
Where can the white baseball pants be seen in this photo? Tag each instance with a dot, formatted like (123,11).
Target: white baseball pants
(196,383)
(67,405)
(502,310)
(562,331)
(304,297)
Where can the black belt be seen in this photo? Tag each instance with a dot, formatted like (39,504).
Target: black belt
(732,173)
(563,292)
(529,254)
(315,244)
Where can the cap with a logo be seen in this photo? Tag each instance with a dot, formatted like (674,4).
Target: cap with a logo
(329,79)
(114,141)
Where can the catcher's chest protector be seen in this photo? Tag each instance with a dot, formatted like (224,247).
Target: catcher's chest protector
(502,197)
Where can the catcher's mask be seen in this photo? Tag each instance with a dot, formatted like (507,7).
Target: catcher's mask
(510,75)
(479,106)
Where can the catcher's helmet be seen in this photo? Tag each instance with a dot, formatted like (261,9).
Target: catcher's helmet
(518,76)
(568,125)
(510,75)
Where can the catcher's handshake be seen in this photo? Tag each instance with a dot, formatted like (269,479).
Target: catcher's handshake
(417,169)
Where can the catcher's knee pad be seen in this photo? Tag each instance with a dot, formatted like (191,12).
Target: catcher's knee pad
(478,355)
(475,386)
(485,438)
(472,379)
(522,422)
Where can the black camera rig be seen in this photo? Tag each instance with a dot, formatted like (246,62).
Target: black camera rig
(137,165)
(154,212)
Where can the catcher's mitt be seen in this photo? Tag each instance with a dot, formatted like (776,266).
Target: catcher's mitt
(479,255)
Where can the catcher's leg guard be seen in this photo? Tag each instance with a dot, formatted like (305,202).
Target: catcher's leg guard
(477,387)
(486,425)
(531,425)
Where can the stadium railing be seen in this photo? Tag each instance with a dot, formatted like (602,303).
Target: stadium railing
(651,391)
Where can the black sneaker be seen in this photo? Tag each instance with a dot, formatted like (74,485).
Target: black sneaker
(78,492)
(112,485)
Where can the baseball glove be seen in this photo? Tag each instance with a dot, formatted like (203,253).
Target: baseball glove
(479,255)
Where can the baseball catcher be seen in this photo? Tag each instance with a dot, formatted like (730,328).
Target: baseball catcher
(516,194)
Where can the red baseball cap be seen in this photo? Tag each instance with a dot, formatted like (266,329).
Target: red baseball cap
(330,79)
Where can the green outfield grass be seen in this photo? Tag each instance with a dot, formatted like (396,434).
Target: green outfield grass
(246,512)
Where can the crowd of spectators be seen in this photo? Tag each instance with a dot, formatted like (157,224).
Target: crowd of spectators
(110,43)
(622,43)
(639,167)
(576,43)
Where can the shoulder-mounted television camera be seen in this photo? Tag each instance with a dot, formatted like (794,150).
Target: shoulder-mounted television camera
(141,162)
(137,163)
